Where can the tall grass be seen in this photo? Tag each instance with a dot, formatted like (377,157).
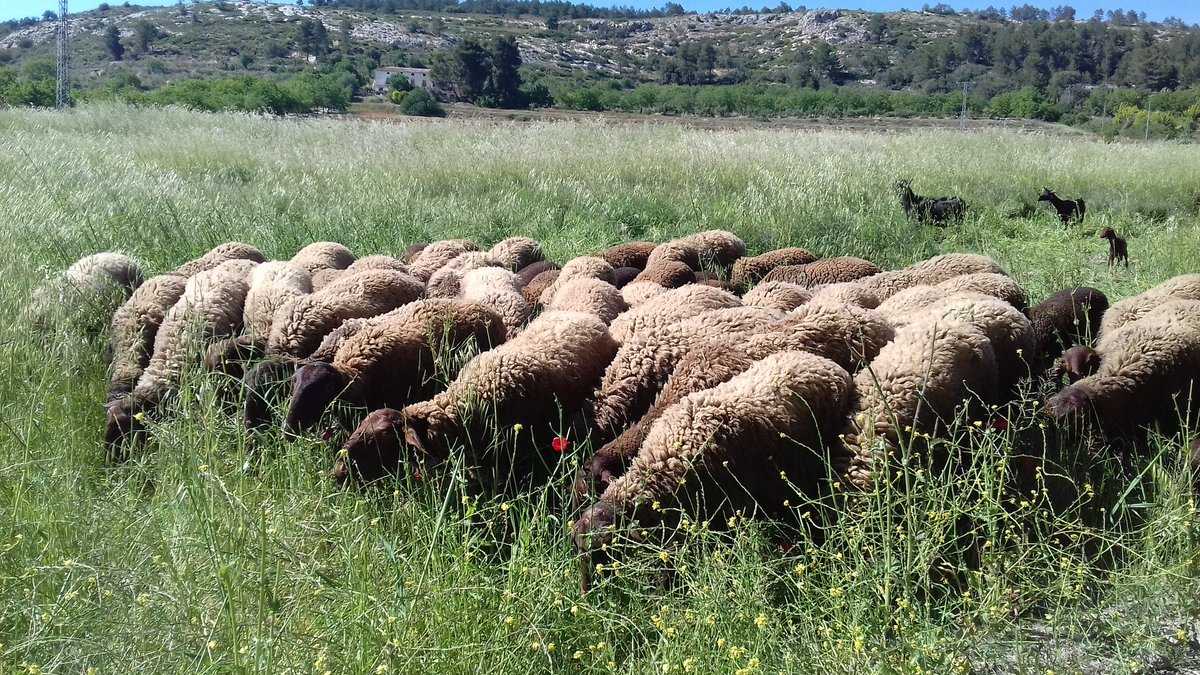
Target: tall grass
(183,561)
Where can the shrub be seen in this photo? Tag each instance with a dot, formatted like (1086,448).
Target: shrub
(418,102)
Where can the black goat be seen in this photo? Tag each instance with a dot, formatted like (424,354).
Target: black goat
(1068,209)
(936,210)
(1118,250)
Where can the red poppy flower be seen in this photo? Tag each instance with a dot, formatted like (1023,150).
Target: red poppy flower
(560,444)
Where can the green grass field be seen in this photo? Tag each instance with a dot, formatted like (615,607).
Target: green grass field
(181,561)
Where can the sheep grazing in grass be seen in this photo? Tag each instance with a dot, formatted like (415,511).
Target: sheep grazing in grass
(234,250)
(299,325)
(623,275)
(907,305)
(824,271)
(516,253)
(749,271)
(530,272)
(848,335)
(1183,287)
(583,267)
(532,291)
(846,293)
(674,305)
(209,308)
(674,251)
(432,257)
(497,288)
(1147,375)
(547,371)
(637,292)
(668,274)
(758,440)
(271,285)
(414,250)
(322,255)
(447,281)
(591,296)
(91,289)
(326,276)
(630,254)
(391,362)
(1069,317)
(778,295)
(1007,329)
(933,210)
(1076,363)
(644,362)
(133,327)
(710,248)
(1069,210)
(1118,248)
(927,273)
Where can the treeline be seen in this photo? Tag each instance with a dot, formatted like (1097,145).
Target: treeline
(34,85)
(555,8)
(765,100)
(300,94)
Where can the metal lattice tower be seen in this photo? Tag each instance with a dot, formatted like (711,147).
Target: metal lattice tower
(63,93)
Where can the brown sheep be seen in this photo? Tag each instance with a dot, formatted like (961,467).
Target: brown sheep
(825,271)
(749,271)
(631,254)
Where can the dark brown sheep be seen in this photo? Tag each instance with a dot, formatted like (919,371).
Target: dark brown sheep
(1069,317)
(624,275)
(668,274)
(630,254)
(749,271)
(529,272)
(532,291)
(824,271)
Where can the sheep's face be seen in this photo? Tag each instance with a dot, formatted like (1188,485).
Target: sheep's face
(124,424)
(1072,402)
(430,434)
(316,385)
(1080,362)
(599,471)
(592,535)
(373,450)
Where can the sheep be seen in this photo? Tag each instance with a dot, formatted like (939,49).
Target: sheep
(646,360)
(845,293)
(1008,330)
(271,285)
(210,307)
(230,355)
(391,362)
(935,210)
(1148,373)
(328,275)
(667,308)
(434,256)
(758,440)
(266,384)
(917,382)
(298,326)
(591,296)
(92,288)
(532,292)
(1075,363)
(549,368)
(637,292)
(847,335)
(447,281)
(622,276)
(497,288)
(668,274)
(777,295)
(630,254)
(1183,287)
(530,272)
(716,248)
(825,271)
(1068,209)
(231,251)
(707,279)
(133,327)
(516,253)
(1069,317)
(1118,248)
(322,255)
(583,267)
(928,273)
(907,304)
(749,271)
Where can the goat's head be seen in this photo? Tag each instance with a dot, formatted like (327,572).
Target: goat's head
(903,185)
(1108,233)
(1047,195)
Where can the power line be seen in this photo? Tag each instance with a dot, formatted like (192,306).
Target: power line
(63,91)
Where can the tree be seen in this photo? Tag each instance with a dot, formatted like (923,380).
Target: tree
(419,102)
(144,35)
(399,82)
(49,15)
(112,41)
(504,83)
(465,70)
(552,22)
(312,38)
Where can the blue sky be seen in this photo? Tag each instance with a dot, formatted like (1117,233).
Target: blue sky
(1187,9)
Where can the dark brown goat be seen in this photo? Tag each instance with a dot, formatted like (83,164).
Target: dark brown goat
(1118,249)
(936,210)
(1068,209)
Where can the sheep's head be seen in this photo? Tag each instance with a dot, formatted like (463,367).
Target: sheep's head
(374,450)
(1080,362)
(1073,402)
(430,431)
(606,465)
(124,424)
(1108,233)
(259,383)
(230,355)
(412,251)
(316,386)
(592,534)
(1047,195)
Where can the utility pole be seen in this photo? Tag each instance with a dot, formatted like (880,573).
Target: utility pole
(63,91)
(962,120)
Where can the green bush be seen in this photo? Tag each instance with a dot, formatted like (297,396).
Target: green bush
(397,97)
(418,102)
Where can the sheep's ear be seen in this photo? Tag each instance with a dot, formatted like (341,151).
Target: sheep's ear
(416,433)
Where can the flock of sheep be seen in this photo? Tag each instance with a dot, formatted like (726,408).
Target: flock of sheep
(695,369)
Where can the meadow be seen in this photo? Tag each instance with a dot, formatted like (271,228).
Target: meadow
(197,557)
